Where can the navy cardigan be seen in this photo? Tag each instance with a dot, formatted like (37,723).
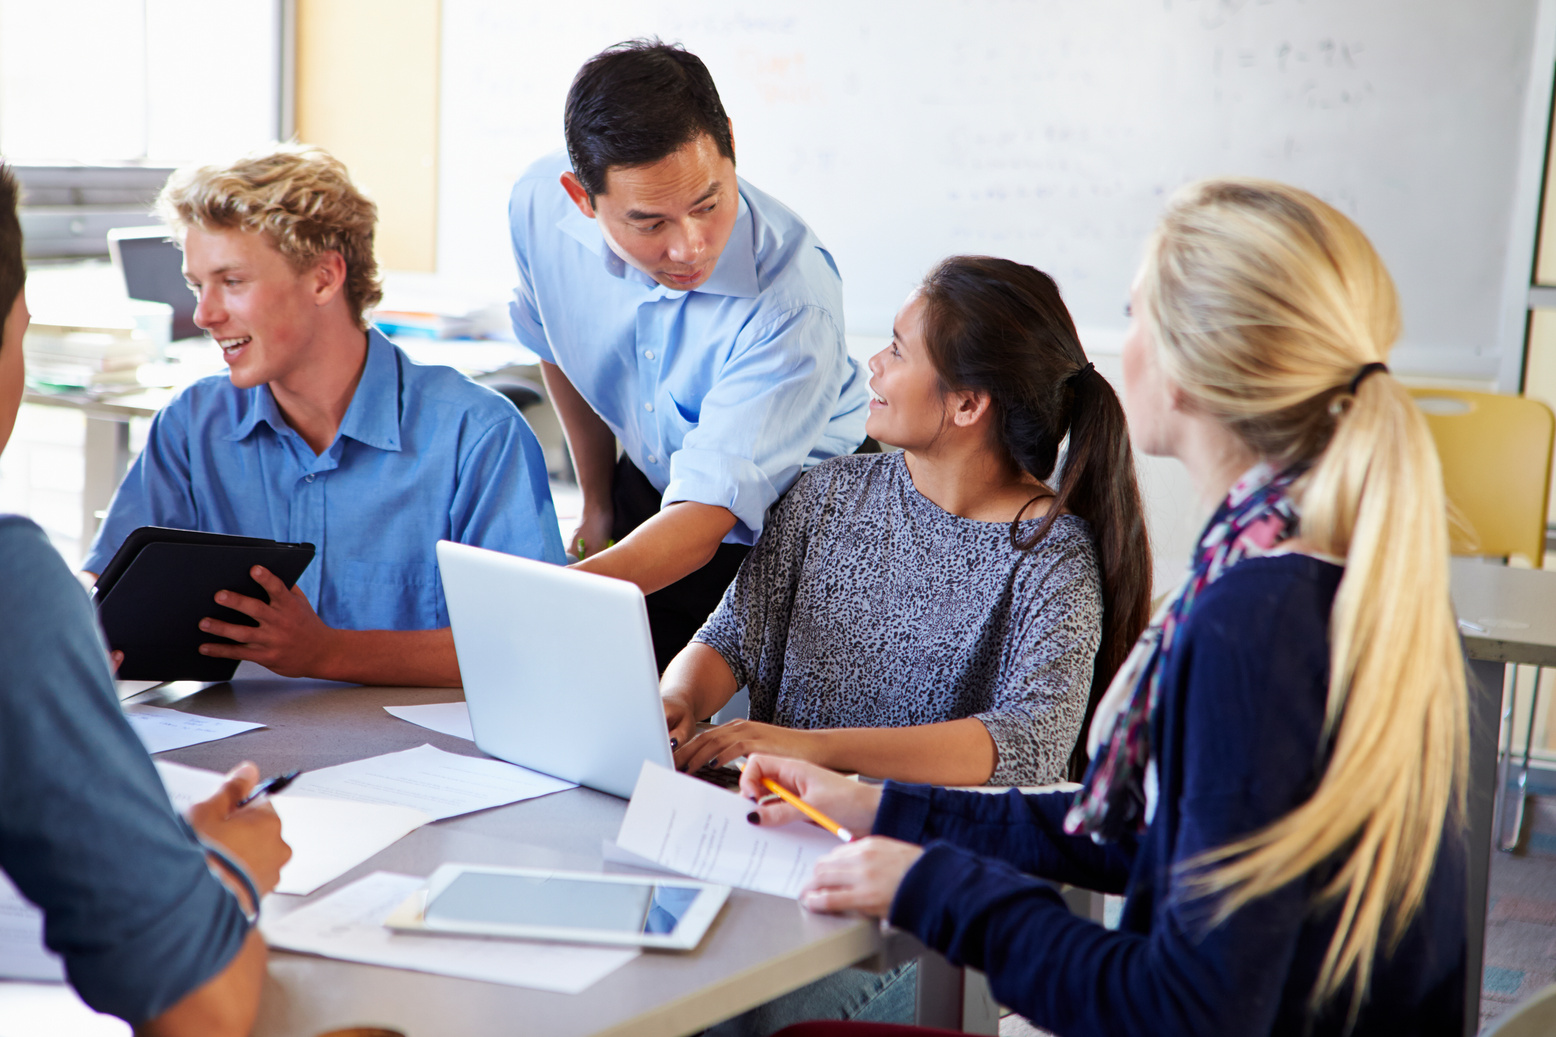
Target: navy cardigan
(1237,740)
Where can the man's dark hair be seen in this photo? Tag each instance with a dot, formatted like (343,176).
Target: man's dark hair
(12,272)
(636,103)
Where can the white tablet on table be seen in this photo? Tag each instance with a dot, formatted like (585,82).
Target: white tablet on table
(564,906)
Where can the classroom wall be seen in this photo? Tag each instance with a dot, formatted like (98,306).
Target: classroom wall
(368,80)
(1053,132)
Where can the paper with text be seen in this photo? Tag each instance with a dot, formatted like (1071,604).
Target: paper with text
(699,829)
(438,783)
(328,837)
(348,924)
(22,954)
(449,718)
(163,729)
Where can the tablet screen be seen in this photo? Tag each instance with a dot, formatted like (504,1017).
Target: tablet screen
(529,900)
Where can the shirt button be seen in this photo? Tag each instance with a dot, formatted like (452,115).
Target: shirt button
(648,406)
(652,459)
(648,353)
(309,478)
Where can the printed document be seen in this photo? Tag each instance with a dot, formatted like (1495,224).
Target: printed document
(163,729)
(437,783)
(22,954)
(449,718)
(328,837)
(348,924)
(698,829)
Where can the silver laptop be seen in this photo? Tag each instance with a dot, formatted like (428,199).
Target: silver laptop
(558,667)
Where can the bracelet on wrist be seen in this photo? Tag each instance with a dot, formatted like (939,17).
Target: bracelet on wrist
(240,873)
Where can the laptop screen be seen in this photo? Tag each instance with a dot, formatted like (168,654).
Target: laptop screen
(153,269)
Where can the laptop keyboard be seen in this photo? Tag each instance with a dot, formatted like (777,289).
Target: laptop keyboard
(725,777)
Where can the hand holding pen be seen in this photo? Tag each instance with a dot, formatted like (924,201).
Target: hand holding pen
(844,805)
(269,788)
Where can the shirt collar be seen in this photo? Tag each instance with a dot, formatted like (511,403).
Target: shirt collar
(373,418)
(734,276)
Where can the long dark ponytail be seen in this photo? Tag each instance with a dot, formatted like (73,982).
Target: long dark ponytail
(1000,327)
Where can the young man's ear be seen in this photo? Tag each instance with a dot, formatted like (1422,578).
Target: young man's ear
(329,277)
(969,406)
(575,190)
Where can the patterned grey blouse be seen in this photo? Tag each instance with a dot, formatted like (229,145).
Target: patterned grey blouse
(864,604)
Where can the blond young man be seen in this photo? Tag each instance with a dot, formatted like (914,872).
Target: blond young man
(324,431)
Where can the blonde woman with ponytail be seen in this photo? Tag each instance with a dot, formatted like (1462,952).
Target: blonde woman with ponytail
(1278,768)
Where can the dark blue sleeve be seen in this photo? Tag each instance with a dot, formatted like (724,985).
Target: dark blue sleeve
(1243,700)
(1024,831)
(86,829)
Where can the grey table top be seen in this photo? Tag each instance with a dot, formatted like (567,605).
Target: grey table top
(760,946)
(1505,615)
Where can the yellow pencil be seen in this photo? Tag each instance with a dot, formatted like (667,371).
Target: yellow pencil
(809,811)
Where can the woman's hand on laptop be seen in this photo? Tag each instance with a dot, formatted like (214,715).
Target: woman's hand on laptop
(850,803)
(681,717)
(290,640)
(737,738)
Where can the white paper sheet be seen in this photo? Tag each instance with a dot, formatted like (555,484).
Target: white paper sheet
(22,954)
(449,718)
(699,829)
(30,1009)
(163,729)
(328,837)
(129,689)
(427,778)
(348,924)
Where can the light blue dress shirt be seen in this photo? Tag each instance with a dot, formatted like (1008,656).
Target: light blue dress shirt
(423,454)
(722,395)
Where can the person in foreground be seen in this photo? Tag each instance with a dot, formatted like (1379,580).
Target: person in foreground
(681,311)
(324,431)
(1279,767)
(936,614)
(149,912)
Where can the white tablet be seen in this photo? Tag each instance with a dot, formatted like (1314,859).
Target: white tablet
(566,906)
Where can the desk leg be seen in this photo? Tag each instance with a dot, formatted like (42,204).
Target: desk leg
(1485,681)
(107,459)
(953,998)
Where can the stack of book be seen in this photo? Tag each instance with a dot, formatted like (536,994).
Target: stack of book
(66,357)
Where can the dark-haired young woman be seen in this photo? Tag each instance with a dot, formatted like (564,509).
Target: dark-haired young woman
(945,614)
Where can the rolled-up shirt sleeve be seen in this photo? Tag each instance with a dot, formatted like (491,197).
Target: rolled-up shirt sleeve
(750,628)
(86,829)
(760,421)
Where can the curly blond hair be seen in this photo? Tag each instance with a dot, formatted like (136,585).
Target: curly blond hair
(298,196)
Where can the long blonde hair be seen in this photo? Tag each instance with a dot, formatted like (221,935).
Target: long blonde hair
(1265,303)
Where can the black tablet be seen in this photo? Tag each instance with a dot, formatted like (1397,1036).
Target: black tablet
(161,582)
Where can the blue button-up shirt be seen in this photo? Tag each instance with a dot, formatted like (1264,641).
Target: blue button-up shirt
(422,454)
(721,395)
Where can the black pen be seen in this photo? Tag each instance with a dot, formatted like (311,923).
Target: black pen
(270,788)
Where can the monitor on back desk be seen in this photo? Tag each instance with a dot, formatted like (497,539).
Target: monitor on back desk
(153,269)
(558,667)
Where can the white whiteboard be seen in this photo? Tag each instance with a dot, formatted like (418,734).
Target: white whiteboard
(1051,131)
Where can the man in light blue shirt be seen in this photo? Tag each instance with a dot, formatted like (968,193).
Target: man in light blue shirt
(323,431)
(685,314)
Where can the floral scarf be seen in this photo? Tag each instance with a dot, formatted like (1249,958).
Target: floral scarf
(1119,795)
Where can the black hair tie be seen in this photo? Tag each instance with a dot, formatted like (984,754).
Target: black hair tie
(1080,372)
(1366,370)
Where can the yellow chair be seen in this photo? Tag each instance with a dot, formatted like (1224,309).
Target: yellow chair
(1496,457)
